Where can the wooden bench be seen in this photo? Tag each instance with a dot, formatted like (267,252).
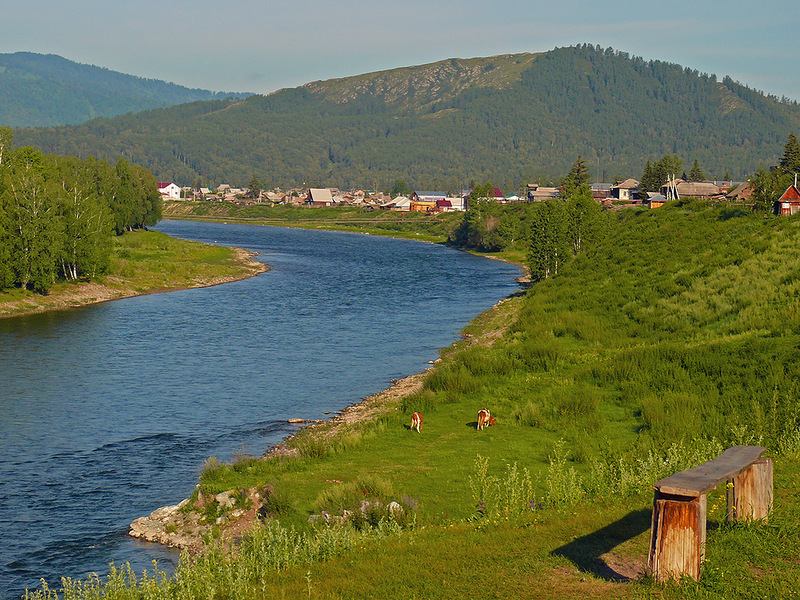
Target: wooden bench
(678,534)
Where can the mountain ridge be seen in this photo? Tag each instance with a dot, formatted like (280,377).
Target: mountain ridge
(509,119)
(50,90)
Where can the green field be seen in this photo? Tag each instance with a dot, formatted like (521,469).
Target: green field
(674,336)
(142,262)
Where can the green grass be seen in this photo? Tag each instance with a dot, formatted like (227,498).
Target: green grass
(141,262)
(410,225)
(647,355)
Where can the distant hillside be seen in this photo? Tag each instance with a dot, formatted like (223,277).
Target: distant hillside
(44,90)
(508,119)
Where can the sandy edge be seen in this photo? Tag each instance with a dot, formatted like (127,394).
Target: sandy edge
(93,292)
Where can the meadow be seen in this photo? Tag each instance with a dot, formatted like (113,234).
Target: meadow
(141,262)
(673,336)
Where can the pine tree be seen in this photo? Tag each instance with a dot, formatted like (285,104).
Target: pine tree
(790,161)
(577,176)
(696,173)
(649,181)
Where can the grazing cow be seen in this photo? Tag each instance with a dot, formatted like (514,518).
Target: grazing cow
(485,419)
(416,421)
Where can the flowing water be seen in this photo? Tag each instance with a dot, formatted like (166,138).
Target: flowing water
(107,412)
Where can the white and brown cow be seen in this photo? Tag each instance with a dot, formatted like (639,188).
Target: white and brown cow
(485,419)
(416,421)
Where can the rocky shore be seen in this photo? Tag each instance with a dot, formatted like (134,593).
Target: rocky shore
(184,525)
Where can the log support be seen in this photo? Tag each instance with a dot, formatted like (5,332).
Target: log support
(677,537)
(750,492)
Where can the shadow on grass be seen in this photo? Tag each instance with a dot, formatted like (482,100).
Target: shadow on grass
(587,552)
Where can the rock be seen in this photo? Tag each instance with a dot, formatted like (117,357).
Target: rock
(395,509)
(165,512)
(225,499)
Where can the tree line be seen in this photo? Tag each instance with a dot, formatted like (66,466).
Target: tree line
(58,214)
(552,232)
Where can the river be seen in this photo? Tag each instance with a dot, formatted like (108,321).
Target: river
(109,411)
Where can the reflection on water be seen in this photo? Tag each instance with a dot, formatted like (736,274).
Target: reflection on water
(109,411)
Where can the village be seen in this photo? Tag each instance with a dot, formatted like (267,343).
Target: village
(612,196)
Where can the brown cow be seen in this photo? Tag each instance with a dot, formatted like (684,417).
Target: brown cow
(485,419)
(416,421)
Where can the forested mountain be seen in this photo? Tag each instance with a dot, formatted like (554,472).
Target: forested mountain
(507,119)
(44,90)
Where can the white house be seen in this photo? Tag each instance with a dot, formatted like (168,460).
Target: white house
(458,202)
(169,190)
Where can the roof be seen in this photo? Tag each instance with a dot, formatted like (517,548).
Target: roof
(628,184)
(444,204)
(428,194)
(743,191)
(161,185)
(320,195)
(693,189)
(791,193)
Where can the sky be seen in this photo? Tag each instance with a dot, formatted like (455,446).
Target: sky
(261,46)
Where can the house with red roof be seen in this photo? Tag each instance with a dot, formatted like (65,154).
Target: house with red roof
(169,191)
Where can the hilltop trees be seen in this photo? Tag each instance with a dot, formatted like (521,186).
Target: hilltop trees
(57,214)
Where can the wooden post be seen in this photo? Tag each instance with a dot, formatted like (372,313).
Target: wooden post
(750,495)
(677,537)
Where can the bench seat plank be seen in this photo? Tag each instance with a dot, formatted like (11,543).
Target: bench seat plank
(698,480)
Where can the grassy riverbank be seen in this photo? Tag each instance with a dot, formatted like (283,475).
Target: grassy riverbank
(411,225)
(142,262)
(674,337)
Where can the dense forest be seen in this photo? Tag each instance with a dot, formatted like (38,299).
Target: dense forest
(45,90)
(57,214)
(509,119)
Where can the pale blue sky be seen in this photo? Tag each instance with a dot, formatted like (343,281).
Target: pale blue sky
(265,45)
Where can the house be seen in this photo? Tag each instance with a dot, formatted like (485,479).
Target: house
(444,206)
(600,191)
(537,193)
(789,202)
(627,191)
(655,200)
(169,191)
(401,203)
(679,188)
(740,193)
(458,202)
(426,201)
(320,197)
